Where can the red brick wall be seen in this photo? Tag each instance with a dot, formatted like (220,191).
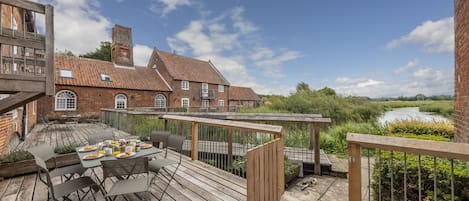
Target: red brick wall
(90,101)
(461,108)
(6,129)
(194,89)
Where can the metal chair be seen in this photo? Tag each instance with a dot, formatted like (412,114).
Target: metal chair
(175,143)
(158,137)
(46,152)
(64,190)
(99,137)
(46,123)
(123,170)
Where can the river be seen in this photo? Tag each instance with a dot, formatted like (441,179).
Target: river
(409,113)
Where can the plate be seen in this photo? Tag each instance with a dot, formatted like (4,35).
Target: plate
(92,156)
(146,146)
(88,148)
(126,155)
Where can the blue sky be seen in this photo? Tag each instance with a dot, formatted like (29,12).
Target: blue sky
(365,48)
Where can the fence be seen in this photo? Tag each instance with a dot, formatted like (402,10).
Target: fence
(407,169)
(301,136)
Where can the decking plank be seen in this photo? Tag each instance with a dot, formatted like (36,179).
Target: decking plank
(27,189)
(13,188)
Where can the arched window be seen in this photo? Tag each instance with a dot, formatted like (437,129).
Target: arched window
(65,101)
(121,101)
(160,101)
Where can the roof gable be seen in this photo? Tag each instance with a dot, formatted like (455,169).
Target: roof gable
(243,93)
(89,73)
(186,68)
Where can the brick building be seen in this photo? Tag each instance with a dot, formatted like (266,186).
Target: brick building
(461,86)
(84,86)
(195,83)
(243,97)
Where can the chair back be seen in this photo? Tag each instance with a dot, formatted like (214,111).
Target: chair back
(43,151)
(124,168)
(159,136)
(175,142)
(99,137)
(42,170)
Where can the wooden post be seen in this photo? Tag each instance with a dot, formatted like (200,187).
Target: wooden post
(49,51)
(165,125)
(317,149)
(311,136)
(195,141)
(280,165)
(354,170)
(229,139)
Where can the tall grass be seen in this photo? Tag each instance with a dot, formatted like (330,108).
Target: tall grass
(443,129)
(444,107)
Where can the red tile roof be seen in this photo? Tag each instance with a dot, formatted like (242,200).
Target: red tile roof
(242,93)
(87,72)
(185,68)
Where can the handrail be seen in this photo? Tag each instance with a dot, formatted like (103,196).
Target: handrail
(449,150)
(276,130)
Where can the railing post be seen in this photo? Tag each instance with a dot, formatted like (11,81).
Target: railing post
(280,165)
(229,139)
(315,131)
(195,141)
(165,125)
(354,169)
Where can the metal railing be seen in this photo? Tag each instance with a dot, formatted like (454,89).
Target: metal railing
(406,169)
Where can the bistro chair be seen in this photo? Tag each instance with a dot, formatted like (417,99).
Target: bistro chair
(46,123)
(158,137)
(100,137)
(65,189)
(125,171)
(46,152)
(175,143)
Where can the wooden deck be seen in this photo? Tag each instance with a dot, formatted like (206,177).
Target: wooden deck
(196,180)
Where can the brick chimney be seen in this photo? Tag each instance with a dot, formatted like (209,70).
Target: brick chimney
(122,47)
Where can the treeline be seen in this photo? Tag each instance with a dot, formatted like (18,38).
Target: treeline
(324,101)
(418,97)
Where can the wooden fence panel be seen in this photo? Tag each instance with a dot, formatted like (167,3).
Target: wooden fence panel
(263,166)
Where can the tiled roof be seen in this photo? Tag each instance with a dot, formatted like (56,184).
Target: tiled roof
(242,93)
(87,72)
(185,68)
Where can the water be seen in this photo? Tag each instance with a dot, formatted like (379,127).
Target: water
(409,113)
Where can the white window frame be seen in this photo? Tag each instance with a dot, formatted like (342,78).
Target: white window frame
(185,85)
(205,88)
(118,99)
(70,102)
(14,24)
(66,73)
(221,88)
(205,104)
(158,101)
(182,102)
(105,77)
(221,103)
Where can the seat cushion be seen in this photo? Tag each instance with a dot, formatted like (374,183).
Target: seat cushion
(156,165)
(128,186)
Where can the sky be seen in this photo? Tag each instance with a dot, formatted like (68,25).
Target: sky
(359,48)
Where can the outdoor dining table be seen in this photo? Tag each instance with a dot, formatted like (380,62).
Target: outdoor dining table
(94,163)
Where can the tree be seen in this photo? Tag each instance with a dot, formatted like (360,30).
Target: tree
(101,53)
(327,91)
(66,52)
(302,87)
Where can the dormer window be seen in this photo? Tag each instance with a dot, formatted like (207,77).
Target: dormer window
(106,77)
(66,73)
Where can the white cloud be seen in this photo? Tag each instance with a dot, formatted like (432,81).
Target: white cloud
(164,7)
(225,40)
(142,54)
(71,18)
(410,65)
(434,36)
(428,81)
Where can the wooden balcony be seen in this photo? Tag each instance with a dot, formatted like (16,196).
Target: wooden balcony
(26,57)
(207,94)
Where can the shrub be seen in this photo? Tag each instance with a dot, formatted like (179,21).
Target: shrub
(443,129)
(71,148)
(339,134)
(145,125)
(16,156)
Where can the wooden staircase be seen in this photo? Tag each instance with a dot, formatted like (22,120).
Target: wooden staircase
(27,56)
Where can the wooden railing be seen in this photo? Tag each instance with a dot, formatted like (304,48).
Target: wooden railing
(448,151)
(264,163)
(265,181)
